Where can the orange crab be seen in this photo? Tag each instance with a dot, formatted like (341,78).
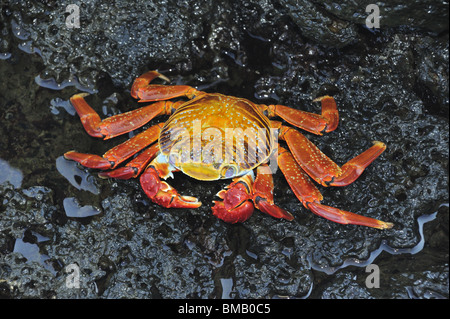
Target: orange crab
(185,144)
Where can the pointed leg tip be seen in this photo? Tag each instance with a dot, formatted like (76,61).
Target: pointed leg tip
(343,217)
(163,77)
(385,225)
(154,73)
(379,144)
(71,156)
(89,160)
(273,210)
(289,216)
(79,95)
(67,154)
(320,98)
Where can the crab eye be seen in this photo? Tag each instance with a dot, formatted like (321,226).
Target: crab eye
(228,171)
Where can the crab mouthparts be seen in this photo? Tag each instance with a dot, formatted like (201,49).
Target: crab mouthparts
(200,171)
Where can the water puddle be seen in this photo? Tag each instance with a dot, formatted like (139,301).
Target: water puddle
(51,83)
(30,251)
(422,220)
(58,104)
(5,56)
(73,208)
(79,178)
(10,174)
(227,287)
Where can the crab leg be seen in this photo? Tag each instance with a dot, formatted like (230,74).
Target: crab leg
(320,167)
(310,197)
(134,167)
(351,170)
(263,194)
(117,154)
(146,92)
(159,191)
(120,123)
(311,122)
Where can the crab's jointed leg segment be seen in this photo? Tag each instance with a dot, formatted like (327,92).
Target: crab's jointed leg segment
(146,92)
(134,167)
(351,170)
(303,188)
(310,197)
(120,123)
(315,163)
(119,153)
(263,194)
(143,81)
(344,217)
(311,122)
(89,160)
(320,167)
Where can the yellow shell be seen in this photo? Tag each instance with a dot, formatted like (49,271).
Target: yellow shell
(216,136)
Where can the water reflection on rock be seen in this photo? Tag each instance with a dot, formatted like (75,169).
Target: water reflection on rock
(10,174)
(73,209)
(79,178)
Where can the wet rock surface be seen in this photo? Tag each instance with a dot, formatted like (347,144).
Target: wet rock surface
(390,85)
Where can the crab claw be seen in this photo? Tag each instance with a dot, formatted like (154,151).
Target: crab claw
(237,215)
(150,182)
(163,194)
(236,206)
(168,197)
